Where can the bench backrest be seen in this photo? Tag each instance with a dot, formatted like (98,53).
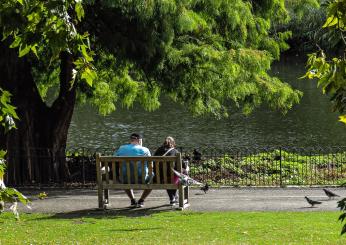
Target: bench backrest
(110,171)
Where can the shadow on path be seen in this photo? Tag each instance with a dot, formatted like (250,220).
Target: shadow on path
(111,213)
(308,207)
(55,193)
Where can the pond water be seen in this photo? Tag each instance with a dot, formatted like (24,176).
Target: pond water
(310,123)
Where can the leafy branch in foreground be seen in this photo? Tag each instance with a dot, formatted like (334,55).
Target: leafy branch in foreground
(8,195)
(342,207)
(331,72)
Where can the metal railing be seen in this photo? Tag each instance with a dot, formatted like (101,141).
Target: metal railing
(271,166)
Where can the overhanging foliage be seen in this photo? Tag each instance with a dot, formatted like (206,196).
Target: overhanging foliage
(205,54)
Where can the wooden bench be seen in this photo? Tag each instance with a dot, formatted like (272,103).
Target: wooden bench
(113,178)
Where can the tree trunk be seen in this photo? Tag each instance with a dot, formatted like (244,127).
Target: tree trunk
(36,149)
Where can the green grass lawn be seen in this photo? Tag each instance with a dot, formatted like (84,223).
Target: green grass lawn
(173,228)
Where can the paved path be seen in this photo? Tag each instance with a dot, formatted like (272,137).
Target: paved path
(222,199)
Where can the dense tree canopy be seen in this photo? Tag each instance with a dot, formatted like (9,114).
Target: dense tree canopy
(211,55)
(146,48)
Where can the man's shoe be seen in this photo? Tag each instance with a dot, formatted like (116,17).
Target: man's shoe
(140,203)
(133,203)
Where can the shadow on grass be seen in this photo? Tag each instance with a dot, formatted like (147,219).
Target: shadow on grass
(111,213)
(135,229)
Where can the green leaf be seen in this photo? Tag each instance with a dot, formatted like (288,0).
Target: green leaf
(16,42)
(343,231)
(24,51)
(2,153)
(20,1)
(33,49)
(79,11)
(85,53)
(342,118)
(331,21)
(89,76)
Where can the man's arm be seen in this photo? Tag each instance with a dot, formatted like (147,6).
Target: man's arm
(146,152)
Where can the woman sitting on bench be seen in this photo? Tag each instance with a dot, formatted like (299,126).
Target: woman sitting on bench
(168,149)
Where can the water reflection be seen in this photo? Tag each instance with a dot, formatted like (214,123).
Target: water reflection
(310,123)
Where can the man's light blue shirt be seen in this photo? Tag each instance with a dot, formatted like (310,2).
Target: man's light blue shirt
(133,150)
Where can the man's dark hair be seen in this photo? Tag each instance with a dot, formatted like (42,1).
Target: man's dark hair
(135,136)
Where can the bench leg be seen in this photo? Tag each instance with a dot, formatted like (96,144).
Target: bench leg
(186,193)
(181,196)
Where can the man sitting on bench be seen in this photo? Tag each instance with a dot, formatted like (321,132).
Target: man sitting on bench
(134,148)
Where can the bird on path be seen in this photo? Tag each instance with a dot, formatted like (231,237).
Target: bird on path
(205,188)
(312,202)
(330,194)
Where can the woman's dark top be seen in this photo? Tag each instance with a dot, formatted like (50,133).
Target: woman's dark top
(160,152)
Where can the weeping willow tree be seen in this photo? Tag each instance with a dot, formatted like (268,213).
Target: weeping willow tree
(210,55)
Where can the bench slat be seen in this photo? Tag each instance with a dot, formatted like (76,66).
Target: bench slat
(128,171)
(143,172)
(135,168)
(114,172)
(139,186)
(121,177)
(150,167)
(106,172)
(139,158)
(165,172)
(171,167)
(157,168)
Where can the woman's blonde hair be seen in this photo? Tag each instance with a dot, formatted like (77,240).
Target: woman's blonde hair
(169,142)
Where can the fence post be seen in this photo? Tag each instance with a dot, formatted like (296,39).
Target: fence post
(83,165)
(280,168)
